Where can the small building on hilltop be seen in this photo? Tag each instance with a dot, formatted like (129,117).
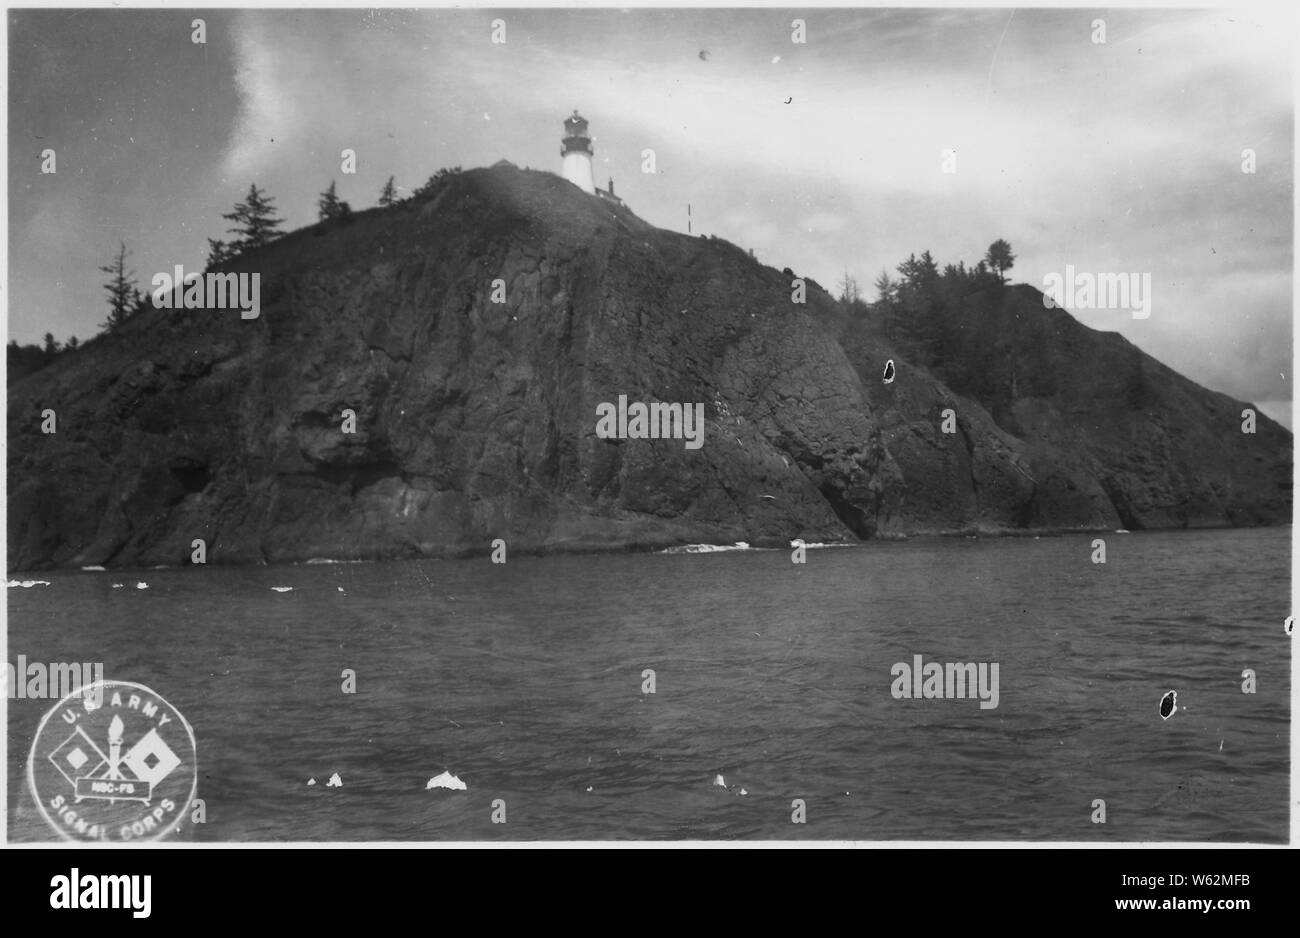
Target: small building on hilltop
(609,193)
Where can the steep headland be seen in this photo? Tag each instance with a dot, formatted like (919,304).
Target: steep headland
(476,419)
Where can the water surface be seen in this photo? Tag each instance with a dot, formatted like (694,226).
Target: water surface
(525,680)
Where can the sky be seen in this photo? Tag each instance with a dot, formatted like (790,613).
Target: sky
(825,156)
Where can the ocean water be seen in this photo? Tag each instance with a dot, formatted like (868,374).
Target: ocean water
(525,680)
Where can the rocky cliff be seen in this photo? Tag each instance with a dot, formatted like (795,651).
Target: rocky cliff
(476,419)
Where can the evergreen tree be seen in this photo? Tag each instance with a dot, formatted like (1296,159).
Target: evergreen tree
(218,253)
(121,290)
(919,273)
(329,204)
(255,218)
(389,195)
(885,288)
(916,319)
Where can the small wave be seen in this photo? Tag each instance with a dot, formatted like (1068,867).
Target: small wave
(28,584)
(319,560)
(705,548)
(93,569)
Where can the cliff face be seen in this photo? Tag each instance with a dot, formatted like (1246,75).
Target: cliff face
(476,420)
(1100,434)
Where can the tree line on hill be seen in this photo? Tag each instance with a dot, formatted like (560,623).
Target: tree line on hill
(255,224)
(921,310)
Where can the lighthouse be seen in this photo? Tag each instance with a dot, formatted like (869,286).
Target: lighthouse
(576,150)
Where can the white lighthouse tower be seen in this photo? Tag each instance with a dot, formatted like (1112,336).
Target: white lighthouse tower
(576,150)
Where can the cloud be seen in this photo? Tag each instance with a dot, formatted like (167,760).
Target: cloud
(267,108)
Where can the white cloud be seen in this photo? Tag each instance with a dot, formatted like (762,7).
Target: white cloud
(267,114)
